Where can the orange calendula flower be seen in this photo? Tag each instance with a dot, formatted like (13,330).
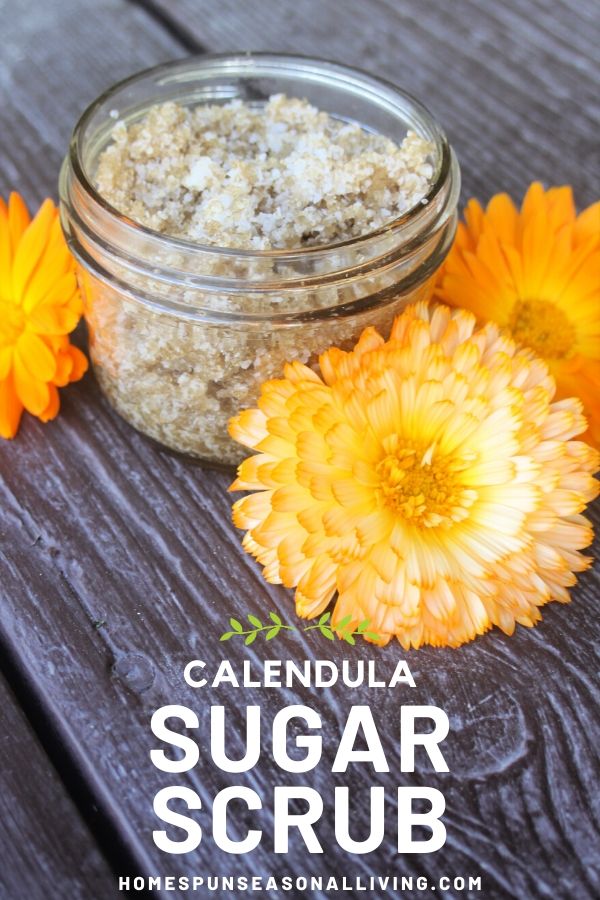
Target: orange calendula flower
(39,306)
(430,481)
(537,273)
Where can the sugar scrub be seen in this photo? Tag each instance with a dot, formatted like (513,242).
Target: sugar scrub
(277,176)
(220,240)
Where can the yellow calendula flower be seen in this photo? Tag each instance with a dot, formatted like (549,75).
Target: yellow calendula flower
(430,481)
(536,272)
(39,306)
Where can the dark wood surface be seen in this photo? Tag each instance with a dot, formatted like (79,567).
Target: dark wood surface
(45,845)
(119,561)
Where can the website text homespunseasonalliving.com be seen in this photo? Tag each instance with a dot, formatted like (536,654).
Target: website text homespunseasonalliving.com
(299,883)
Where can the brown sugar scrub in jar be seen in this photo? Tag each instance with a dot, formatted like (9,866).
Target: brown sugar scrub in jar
(230,214)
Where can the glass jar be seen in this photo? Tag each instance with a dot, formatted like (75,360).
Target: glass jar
(182,334)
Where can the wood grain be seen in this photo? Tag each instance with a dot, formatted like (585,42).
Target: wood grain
(120,563)
(56,58)
(45,847)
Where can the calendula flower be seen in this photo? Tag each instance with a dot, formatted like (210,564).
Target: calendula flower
(39,306)
(429,480)
(537,273)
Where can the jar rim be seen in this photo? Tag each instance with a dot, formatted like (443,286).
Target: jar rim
(378,88)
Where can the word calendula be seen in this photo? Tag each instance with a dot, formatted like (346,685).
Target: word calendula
(311,673)
(296,746)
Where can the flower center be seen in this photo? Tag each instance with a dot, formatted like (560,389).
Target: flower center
(423,486)
(543,327)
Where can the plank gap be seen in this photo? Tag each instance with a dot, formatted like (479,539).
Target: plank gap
(112,843)
(171,24)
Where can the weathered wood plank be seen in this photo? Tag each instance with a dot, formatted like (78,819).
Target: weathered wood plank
(99,526)
(46,850)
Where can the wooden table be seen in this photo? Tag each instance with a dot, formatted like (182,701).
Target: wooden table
(120,563)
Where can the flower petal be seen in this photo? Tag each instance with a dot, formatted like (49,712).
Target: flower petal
(33,393)
(51,286)
(6,358)
(5,254)
(36,356)
(80,363)
(18,218)
(47,319)
(31,247)
(64,367)
(51,410)
(11,409)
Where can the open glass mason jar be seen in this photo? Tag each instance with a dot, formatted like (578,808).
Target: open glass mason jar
(182,334)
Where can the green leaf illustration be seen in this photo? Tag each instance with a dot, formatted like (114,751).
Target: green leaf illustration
(345,629)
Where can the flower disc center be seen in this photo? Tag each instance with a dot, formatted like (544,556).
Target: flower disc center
(543,327)
(422,486)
